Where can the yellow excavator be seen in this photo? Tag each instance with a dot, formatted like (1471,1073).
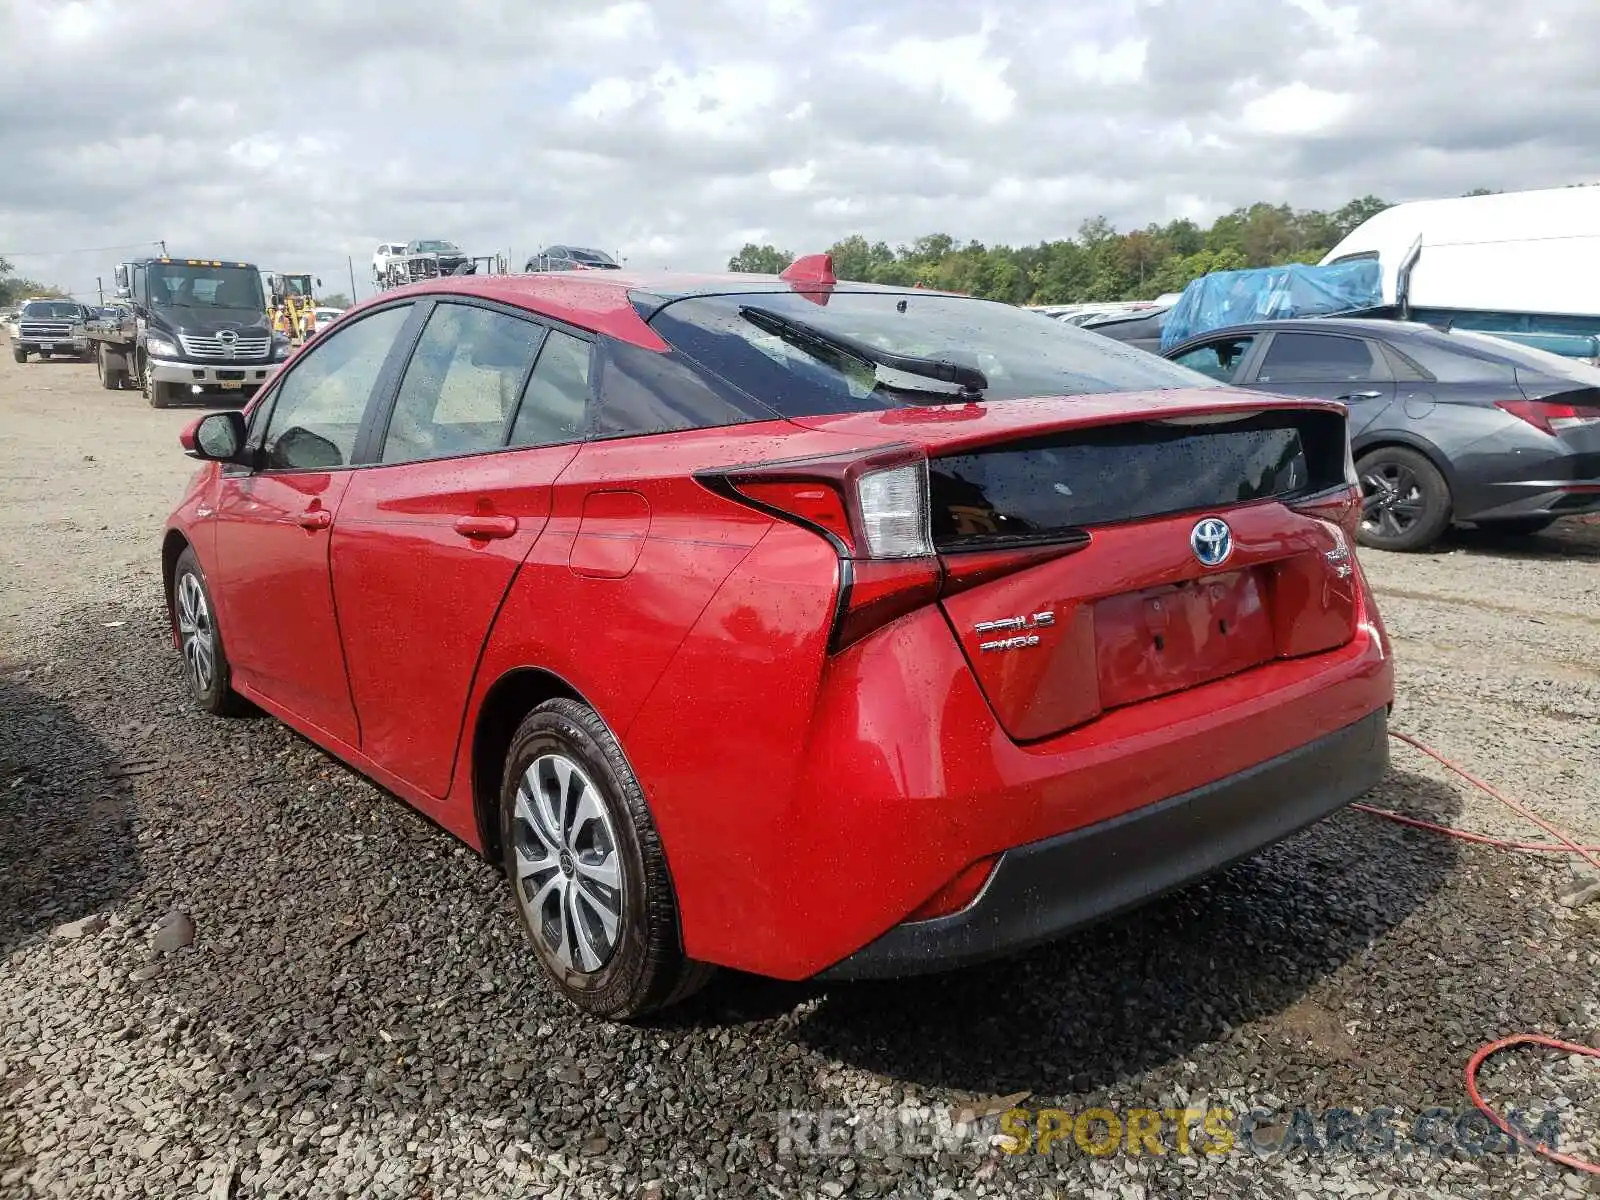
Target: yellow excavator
(293,305)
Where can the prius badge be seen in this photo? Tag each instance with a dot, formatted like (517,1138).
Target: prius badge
(1019,627)
(1212,542)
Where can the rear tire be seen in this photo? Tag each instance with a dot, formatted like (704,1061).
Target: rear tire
(1405,500)
(587,871)
(113,379)
(205,660)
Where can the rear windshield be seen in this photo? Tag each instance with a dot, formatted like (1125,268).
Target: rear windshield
(1059,485)
(1019,354)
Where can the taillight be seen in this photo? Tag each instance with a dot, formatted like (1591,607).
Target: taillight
(1549,416)
(872,508)
(1341,508)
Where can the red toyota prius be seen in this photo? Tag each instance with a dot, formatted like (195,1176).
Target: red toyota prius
(805,627)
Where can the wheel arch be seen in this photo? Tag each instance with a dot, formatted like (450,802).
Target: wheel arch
(172,547)
(509,699)
(1387,438)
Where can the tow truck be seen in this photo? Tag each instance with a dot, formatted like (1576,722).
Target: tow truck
(187,328)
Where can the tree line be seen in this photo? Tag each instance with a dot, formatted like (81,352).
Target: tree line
(14,289)
(1099,264)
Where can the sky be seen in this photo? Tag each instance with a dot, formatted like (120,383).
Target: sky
(672,132)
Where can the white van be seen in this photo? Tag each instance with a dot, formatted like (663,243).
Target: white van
(1525,264)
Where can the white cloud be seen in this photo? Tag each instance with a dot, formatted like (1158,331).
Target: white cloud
(677,129)
(1296,109)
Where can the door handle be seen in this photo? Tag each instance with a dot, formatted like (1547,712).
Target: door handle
(481,526)
(1360,396)
(315,518)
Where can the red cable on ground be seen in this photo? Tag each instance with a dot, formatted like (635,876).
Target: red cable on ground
(1526,1039)
(1567,845)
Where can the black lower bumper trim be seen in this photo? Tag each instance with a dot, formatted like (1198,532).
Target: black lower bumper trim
(1045,889)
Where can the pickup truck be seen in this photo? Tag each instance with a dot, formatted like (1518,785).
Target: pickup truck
(187,328)
(50,329)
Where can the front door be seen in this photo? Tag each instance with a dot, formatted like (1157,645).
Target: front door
(273,525)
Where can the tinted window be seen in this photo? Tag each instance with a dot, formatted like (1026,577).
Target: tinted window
(646,391)
(1316,358)
(461,384)
(1019,354)
(317,408)
(1131,472)
(555,406)
(1217,359)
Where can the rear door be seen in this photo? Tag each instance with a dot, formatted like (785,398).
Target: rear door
(489,412)
(1352,370)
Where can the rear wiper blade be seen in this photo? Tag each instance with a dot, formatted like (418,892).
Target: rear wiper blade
(970,380)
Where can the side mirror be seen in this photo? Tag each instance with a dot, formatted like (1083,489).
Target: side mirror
(319,284)
(215,437)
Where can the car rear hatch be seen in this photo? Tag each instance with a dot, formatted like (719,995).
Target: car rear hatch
(1176,552)
(1099,552)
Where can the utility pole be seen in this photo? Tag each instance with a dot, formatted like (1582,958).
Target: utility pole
(351,263)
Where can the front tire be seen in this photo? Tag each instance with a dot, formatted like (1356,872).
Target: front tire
(205,660)
(587,871)
(18,354)
(157,393)
(1405,501)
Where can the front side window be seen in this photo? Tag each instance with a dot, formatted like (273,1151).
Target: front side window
(1317,358)
(316,413)
(461,384)
(1220,360)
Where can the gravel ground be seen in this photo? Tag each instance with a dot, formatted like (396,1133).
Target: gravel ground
(230,966)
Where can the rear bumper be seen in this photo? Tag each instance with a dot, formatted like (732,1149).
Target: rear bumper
(1043,890)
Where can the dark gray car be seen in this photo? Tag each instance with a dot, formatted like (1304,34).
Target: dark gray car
(1445,427)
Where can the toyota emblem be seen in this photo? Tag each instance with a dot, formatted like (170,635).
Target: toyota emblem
(1212,542)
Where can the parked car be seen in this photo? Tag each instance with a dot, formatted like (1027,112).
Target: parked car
(1446,427)
(449,255)
(386,253)
(571,258)
(50,329)
(745,622)
(1140,327)
(325,316)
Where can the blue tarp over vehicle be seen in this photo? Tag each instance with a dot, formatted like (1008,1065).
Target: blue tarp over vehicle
(1226,298)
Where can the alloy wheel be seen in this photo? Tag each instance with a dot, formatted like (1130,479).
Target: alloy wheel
(1391,499)
(196,632)
(568,871)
